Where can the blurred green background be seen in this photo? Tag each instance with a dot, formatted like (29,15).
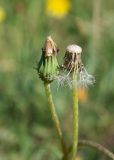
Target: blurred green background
(26,129)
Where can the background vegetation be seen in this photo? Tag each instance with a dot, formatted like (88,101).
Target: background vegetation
(26,130)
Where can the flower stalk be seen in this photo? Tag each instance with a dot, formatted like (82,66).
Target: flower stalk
(55,118)
(75,118)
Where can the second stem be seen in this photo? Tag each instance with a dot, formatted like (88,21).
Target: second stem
(75,117)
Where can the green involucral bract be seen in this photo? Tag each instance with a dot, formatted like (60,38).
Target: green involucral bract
(48,68)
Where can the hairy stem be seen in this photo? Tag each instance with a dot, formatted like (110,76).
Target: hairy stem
(75,119)
(55,118)
(97,146)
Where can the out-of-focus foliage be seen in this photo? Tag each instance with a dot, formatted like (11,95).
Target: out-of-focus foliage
(26,130)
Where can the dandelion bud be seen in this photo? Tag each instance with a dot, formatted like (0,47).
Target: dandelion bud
(73,65)
(50,47)
(48,66)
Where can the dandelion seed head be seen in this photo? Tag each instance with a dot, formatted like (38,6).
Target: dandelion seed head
(74,49)
(73,65)
(85,79)
(64,80)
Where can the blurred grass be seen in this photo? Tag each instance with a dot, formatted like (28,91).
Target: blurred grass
(26,130)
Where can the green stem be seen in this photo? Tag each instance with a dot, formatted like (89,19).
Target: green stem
(55,118)
(75,118)
(97,146)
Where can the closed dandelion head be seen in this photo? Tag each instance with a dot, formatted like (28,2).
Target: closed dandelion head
(48,66)
(73,67)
